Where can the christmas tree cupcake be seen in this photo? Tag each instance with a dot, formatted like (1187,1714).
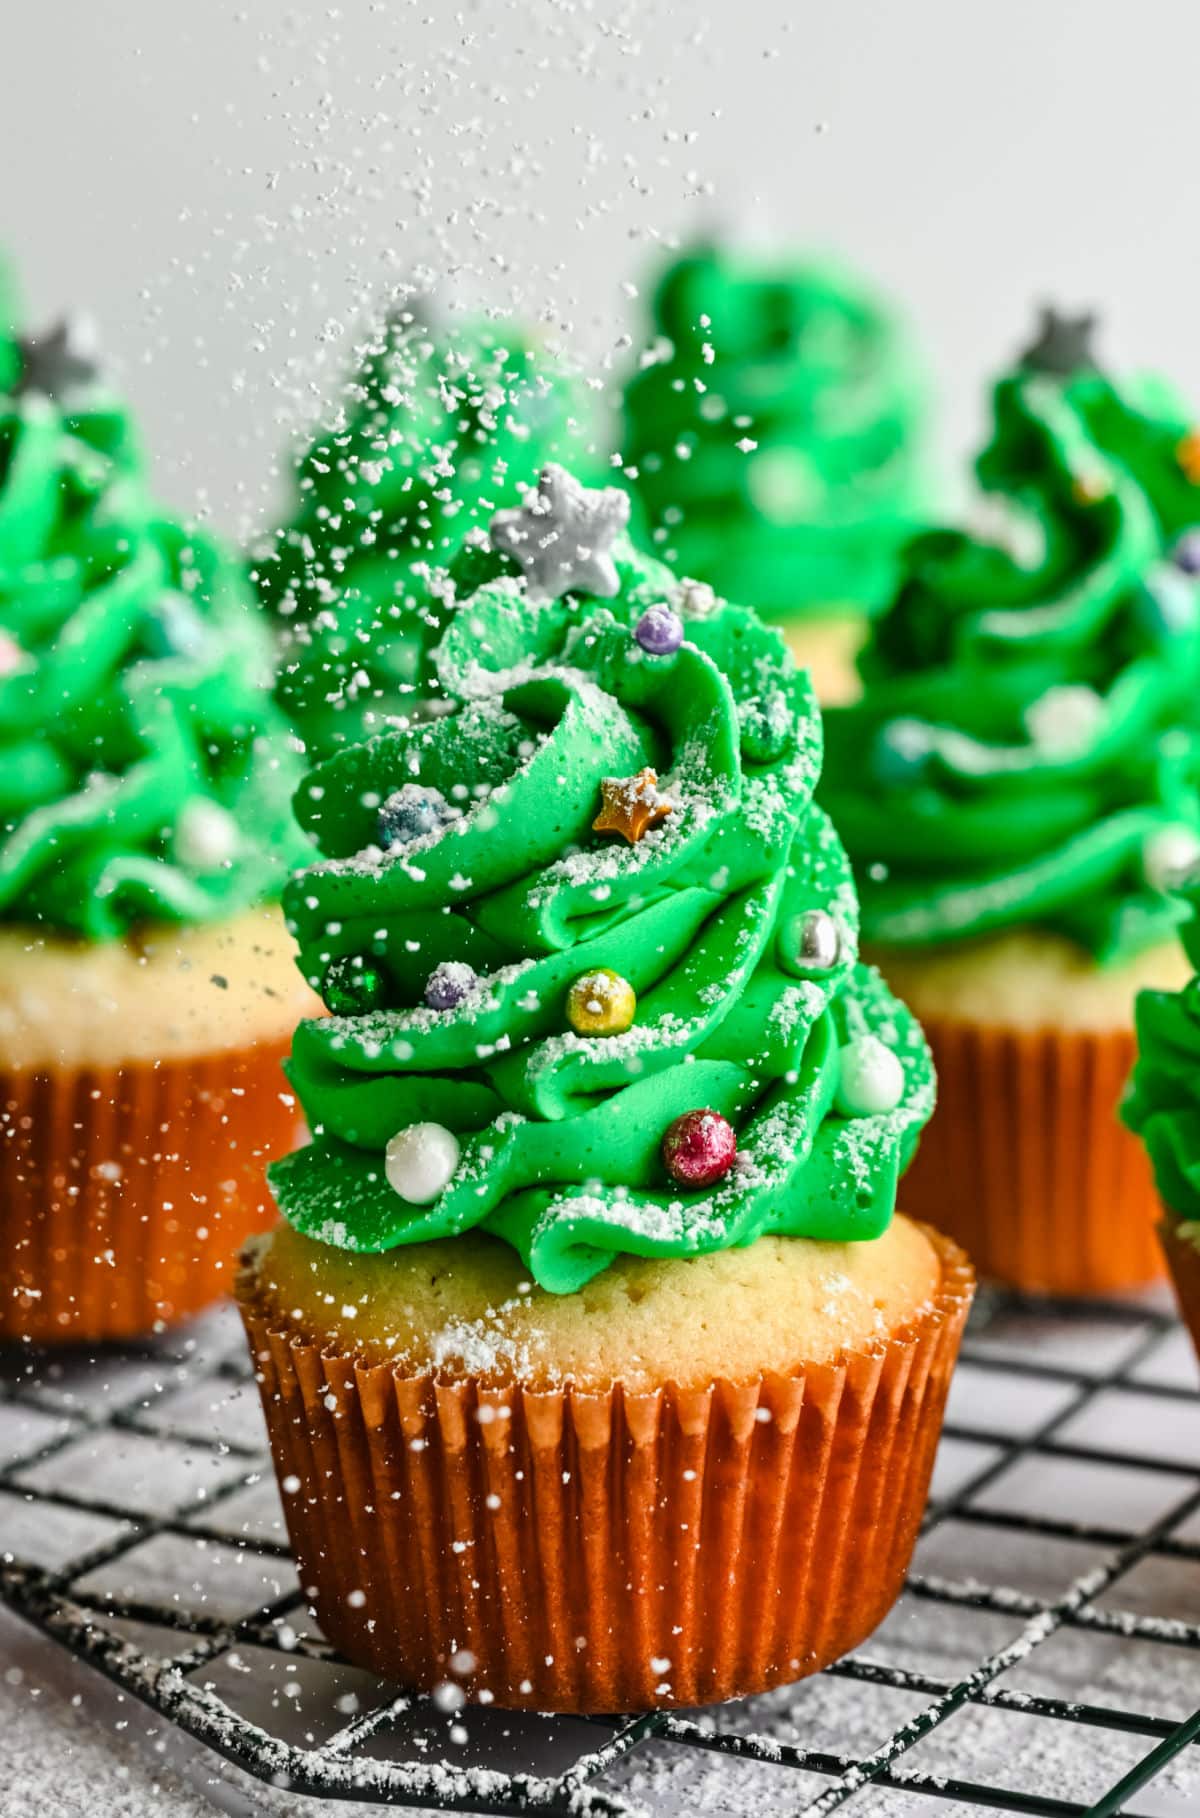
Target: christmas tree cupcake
(600,1372)
(1163,1106)
(772,436)
(146,991)
(434,429)
(1018,790)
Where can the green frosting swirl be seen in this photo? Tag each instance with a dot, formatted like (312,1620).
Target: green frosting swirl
(561,1132)
(1024,750)
(775,439)
(1162,1103)
(145,772)
(435,429)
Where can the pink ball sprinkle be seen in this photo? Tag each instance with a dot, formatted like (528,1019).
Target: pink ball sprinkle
(699,1148)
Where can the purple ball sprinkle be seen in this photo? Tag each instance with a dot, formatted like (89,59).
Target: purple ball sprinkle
(659,631)
(1186,553)
(449,984)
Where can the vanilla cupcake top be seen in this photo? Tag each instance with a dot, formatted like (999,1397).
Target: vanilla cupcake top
(1025,750)
(588,944)
(145,773)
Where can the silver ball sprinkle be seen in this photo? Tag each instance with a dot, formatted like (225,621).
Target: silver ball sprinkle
(810,942)
(694,599)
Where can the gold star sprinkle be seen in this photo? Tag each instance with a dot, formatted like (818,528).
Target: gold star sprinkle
(632,804)
(1090,488)
(1187,453)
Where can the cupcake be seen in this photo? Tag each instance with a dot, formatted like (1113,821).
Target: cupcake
(147,991)
(435,427)
(772,438)
(1162,1106)
(1017,789)
(598,1372)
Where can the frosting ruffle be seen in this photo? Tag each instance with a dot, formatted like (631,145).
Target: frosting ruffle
(145,772)
(511,895)
(435,429)
(774,437)
(1024,750)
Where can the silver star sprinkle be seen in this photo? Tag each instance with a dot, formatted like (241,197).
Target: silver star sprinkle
(563,537)
(61,360)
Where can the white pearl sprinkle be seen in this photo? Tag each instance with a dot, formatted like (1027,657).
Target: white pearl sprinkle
(419,1161)
(870,1078)
(1066,721)
(206,836)
(1168,855)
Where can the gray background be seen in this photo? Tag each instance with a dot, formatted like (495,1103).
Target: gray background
(224,186)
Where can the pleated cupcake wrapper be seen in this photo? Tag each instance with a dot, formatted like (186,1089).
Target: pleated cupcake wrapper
(614,1551)
(1026,1164)
(1183,1260)
(126,1192)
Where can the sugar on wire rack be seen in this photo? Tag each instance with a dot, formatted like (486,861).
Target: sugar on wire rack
(1043,1659)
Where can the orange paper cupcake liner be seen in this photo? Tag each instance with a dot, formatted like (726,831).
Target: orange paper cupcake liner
(1026,1164)
(610,1551)
(126,1192)
(1183,1260)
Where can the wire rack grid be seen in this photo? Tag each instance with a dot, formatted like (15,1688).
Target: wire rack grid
(1043,1659)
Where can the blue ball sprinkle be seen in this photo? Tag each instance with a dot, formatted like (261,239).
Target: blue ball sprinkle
(901,752)
(449,984)
(1186,553)
(410,813)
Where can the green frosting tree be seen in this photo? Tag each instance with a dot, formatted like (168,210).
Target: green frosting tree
(145,772)
(773,433)
(589,945)
(434,429)
(1025,751)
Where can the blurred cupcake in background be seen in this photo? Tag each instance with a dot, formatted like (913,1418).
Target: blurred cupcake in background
(600,1370)
(772,439)
(436,424)
(1018,790)
(147,987)
(1163,1106)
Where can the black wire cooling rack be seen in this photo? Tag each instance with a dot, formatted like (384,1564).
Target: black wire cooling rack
(1044,1657)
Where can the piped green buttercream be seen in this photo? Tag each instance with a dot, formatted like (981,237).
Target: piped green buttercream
(145,773)
(436,428)
(1162,1103)
(1024,752)
(561,1132)
(773,433)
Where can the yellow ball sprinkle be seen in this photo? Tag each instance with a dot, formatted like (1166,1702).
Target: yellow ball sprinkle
(601,1003)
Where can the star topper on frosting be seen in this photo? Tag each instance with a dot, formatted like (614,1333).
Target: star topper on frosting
(60,360)
(632,805)
(1062,345)
(563,537)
